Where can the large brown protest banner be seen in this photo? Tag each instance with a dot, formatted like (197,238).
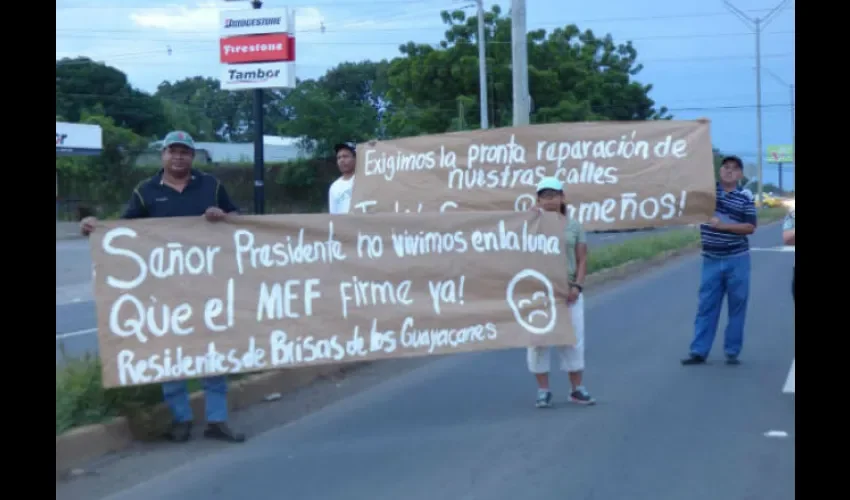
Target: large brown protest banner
(182,298)
(617,175)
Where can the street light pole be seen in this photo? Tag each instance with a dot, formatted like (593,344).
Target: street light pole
(519,64)
(757,24)
(791,108)
(482,67)
(790,105)
(793,130)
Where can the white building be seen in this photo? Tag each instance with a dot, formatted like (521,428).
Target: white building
(276,150)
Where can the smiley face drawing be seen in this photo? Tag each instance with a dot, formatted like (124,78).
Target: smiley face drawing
(524,202)
(534,311)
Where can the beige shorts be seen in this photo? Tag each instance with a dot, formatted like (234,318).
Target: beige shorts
(572,357)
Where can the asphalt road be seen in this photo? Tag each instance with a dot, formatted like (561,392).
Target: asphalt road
(76,319)
(464,427)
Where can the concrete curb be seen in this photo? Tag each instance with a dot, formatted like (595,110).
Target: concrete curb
(92,441)
(65,237)
(78,446)
(68,231)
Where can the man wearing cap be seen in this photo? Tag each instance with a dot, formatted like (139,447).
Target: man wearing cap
(339,194)
(725,267)
(179,191)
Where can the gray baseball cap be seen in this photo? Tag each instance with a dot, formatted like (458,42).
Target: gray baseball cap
(178,137)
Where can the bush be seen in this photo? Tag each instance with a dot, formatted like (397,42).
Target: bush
(293,187)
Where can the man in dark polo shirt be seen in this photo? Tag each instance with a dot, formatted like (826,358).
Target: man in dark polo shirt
(725,266)
(178,191)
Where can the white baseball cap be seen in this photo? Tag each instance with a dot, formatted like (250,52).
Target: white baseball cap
(550,183)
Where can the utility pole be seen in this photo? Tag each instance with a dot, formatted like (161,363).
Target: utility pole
(259,160)
(519,64)
(482,67)
(757,24)
(793,131)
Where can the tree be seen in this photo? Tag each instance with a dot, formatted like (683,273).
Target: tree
(83,85)
(214,114)
(345,105)
(573,76)
(104,177)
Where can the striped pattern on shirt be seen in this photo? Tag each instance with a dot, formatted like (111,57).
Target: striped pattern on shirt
(733,207)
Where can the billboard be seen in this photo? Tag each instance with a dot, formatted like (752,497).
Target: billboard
(78,139)
(783,153)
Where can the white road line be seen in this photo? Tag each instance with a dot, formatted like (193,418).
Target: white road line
(775,249)
(78,333)
(789,382)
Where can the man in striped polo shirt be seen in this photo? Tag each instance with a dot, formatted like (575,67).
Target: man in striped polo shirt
(725,266)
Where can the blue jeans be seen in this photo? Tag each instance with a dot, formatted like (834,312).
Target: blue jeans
(729,276)
(176,396)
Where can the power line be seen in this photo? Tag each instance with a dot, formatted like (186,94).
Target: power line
(211,48)
(212,39)
(131,59)
(453,101)
(450,104)
(342,28)
(97,34)
(326,3)
(359,3)
(441,25)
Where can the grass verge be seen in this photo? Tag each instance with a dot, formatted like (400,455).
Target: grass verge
(81,399)
(647,247)
(641,248)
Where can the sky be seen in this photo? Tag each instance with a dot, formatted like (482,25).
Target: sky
(699,56)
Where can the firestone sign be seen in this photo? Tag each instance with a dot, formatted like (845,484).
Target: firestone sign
(257,49)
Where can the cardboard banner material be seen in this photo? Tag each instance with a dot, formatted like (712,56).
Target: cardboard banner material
(617,175)
(182,298)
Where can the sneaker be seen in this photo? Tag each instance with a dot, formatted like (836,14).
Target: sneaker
(223,432)
(180,432)
(582,397)
(544,399)
(693,359)
(732,360)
